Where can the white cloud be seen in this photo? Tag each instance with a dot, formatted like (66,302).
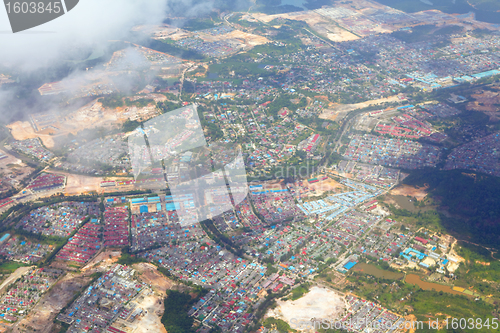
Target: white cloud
(90,22)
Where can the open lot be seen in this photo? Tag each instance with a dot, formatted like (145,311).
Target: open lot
(418,193)
(324,186)
(13,170)
(151,321)
(337,110)
(150,275)
(79,184)
(317,304)
(246,38)
(91,115)
(22,130)
(103,261)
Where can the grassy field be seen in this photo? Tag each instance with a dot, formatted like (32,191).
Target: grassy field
(299,292)
(10,266)
(424,304)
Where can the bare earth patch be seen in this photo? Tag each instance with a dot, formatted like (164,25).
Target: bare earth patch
(22,130)
(79,184)
(418,193)
(318,23)
(332,112)
(150,275)
(103,261)
(324,186)
(149,321)
(317,304)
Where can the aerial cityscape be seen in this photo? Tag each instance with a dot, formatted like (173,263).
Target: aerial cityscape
(265,166)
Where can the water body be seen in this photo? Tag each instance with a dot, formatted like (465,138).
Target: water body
(415,279)
(296,3)
(485,11)
(377,272)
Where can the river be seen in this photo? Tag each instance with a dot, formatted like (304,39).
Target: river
(415,279)
(377,272)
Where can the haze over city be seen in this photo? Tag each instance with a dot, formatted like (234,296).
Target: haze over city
(249,166)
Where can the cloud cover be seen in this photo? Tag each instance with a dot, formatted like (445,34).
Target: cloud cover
(91,22)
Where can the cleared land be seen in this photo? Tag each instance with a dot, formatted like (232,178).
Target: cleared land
(22,130)
(341,109)
(418,193)
(325,186)
(317,22)
(14,168)
(150,275)
(103,261)
(317,304)
(79,184)
(150,303)
(92,115)
(149,320)
(246,38)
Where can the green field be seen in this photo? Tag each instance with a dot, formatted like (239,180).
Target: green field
(10,266)
(299,291)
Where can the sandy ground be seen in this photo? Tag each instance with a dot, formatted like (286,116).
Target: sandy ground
(17,273)
(72,123)
(453,254)
(176,34)
(334,33)
(40,318)
(418,193)
(324,186)
(310,18)
(4,327)
(380,211)
(149,321)
(91,115)
(150,275)
(171,33)
(102,262)
(318,303)
(14,168)
(332,112)
(22,130)
(411,319)
(247,38)
(79,184)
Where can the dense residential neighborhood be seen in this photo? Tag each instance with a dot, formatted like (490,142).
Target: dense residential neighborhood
(253,166)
